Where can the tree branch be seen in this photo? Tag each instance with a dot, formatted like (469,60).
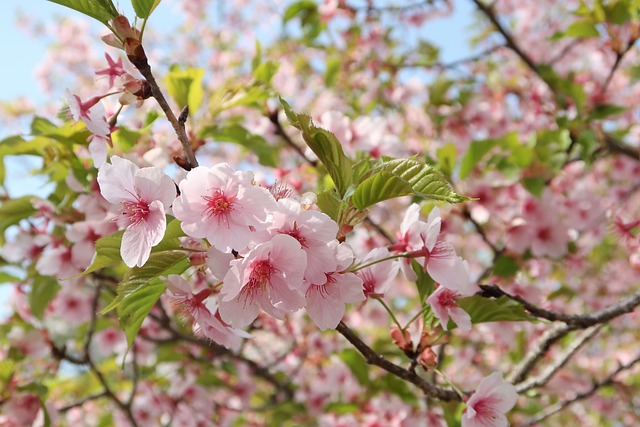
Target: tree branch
(608,380)
(374,358)
(576,321)
(552,369)
(178,125)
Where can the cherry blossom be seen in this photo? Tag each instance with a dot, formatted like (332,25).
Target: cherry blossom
(325,301)
(269,277)
(443,303)
(202,310)
(488,405)
(223,206)
(378,277)
(142,195)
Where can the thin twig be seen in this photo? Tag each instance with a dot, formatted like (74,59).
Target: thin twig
(577,321)
(553,409)
(178,126)
(374,358)
(550,337)
(552,369)
(275,119)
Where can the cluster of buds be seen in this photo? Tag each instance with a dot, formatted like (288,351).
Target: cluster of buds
(423,352)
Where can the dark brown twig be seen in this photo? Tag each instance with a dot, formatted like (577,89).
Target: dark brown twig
(374,358)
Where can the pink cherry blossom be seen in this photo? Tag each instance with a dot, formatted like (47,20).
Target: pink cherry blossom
(378,278)
(443,302)
(115,69)
(223,206)
(202,310)
(325,302)
(269,277)
(314,231)
(488,405)
(91,112)
(142,195)
(439,259)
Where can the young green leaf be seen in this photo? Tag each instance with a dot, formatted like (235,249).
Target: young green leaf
(141,287)
(12,211)
(43,289)
(503,309)
(425,181)
(185,87)
(144,8)
(101,10)
(378,187)
(326,146)
(267,153)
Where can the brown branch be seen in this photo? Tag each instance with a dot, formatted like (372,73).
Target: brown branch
(274,118)
(141,63)
(541,348)
(608,380)
(374,358)
(488,11)
(552,369)
(576,321)
(284,388)
(619,57)
(82,401)
(86,359)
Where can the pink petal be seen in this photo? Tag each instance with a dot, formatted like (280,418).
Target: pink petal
(117,180)
(154,184)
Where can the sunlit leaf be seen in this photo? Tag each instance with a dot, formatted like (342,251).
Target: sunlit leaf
(326,146)
(101,10)
(13,211)
(144,8)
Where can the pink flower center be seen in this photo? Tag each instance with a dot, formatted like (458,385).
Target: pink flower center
(136,212)
(369,282)
(448,298)
(219,205)
(295,233)
(259,279)
(544,234)
(486,409)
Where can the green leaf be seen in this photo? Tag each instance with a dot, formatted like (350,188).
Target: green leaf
(265,71)
(326,146)
(534,185)
(126,138)
(582,29)
(447,158)
(43,289)
(425,181)
(101,10)
(107,253)
(329,204)
(602,111)
(108,247)
(144,8)
(378,187)
(357,364)
(297,8)
(503,309)
(477,150)
(8,278)
(185,87)
(424,282)
(134,309)
(7,368)
(505,266)
(267,153)
(14,210)
(141,287)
